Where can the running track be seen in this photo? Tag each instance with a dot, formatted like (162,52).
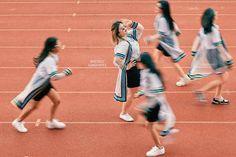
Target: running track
(93,126)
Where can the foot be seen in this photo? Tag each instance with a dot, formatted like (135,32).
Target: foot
(126,117)
(220,101)
(155,151)
(200,96)
(19,126)
(169,132)
(55,124)
(183,81)
(165,132)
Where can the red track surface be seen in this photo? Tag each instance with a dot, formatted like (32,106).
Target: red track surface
(93,126)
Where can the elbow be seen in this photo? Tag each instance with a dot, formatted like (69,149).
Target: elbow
(115,62)
(54,78)
(141,27)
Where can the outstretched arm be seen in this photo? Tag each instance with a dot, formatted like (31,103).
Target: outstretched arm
(58,76)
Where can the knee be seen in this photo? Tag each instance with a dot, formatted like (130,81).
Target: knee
(33,107)
(57,102)
(223,80)
(130,97)
(225,76)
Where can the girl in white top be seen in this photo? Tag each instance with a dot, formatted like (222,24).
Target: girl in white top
(125,35)
(211,57)
(40,86)
(167,32)
(153,87)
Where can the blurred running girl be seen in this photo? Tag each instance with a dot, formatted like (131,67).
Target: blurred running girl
(167,32)
(125,35)
(153,87)
(40,85)
(210,57)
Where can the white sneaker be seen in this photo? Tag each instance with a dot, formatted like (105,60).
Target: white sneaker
(126,117)
(183,81)
(155,151)
(19,126)
(55,124)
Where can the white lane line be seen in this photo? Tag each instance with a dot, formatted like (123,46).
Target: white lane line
(40,2)
(34,15)
(153,2)
(114,2)
(102,67)
(112,92)
(69,29)
(87,47)
(137,123)
(91,29)
(37,123)
(94,15)
(93,67)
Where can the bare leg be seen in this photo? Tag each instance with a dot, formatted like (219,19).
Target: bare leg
(179,70)
(218,91)
(157,56)
(155,135)
(27,110)
(126,105)
(219,88)
(216,83)
(55,98)
(169,114)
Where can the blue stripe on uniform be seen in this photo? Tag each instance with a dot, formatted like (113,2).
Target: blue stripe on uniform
(123,87)
(156,90)
(31,95)
(180,57)
(53,73)
(161,33)
(123,96)
(119,55)
(196,76)
(218,43)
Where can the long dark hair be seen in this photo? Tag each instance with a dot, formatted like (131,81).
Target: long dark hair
(115,31)
(208,20)
(165,7)
(49,44)
(146,59)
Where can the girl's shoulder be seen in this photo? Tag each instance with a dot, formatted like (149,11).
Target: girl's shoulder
(201,31)
(50,59)
(160,18)
(215,29)
(123,44)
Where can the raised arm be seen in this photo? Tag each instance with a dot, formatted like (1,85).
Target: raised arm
(137,27)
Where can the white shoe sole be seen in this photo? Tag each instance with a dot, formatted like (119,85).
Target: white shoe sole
(132,120)
(18,129)
(53,127)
